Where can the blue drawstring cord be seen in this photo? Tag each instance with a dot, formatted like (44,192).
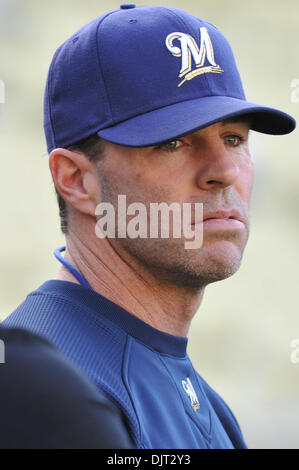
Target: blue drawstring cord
(71,268)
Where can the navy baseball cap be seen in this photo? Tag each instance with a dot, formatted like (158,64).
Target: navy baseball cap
(139,76)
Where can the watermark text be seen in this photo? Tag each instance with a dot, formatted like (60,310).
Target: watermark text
(2,352)
(295,91)
(2,92)
(294,357)
(160,220)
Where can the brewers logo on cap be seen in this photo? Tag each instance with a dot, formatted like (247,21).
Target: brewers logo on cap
(188,49)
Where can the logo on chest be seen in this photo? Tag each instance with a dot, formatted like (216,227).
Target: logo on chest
(188,387)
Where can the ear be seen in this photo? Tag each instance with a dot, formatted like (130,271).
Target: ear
(76,179)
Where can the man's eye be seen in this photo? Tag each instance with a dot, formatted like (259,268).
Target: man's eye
(233,140)
(170,146)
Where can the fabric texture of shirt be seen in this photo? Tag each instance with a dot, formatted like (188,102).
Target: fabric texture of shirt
(147,373)
(48,403)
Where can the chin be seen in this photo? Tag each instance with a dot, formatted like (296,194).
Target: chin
(216,262)
(198,268)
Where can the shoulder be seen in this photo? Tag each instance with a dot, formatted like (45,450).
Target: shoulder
(47,402)
(77,321)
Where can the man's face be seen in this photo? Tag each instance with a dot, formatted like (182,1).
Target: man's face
(212,166)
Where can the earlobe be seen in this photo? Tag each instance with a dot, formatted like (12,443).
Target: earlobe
(74,178)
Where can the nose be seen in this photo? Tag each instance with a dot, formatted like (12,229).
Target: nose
(217,167)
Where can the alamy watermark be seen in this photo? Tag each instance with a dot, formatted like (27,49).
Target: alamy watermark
(2,352)
(294,356)
(2,92)
(295,91)
(187,221)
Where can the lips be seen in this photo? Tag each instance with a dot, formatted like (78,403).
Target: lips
(230,217)
(224,214)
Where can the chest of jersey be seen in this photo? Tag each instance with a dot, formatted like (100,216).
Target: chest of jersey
(172,408)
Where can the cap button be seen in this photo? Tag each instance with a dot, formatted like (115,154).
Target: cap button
(127,6)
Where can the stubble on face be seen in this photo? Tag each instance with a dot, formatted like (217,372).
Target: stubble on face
(166,258)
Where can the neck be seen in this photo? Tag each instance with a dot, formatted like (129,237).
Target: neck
(164,306)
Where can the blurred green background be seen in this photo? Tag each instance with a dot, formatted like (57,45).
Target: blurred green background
(240,338)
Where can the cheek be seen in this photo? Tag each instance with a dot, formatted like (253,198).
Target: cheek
(152,184)
(245,180)
(137,184)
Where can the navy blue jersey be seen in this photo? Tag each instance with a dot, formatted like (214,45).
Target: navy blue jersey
(47,402)
(145,372)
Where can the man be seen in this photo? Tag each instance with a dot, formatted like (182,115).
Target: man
(145,106)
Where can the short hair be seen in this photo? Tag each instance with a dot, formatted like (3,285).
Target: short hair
(93,148)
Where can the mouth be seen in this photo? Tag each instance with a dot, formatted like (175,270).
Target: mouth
(221,219)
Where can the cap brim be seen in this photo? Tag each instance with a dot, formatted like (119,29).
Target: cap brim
(186,117)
